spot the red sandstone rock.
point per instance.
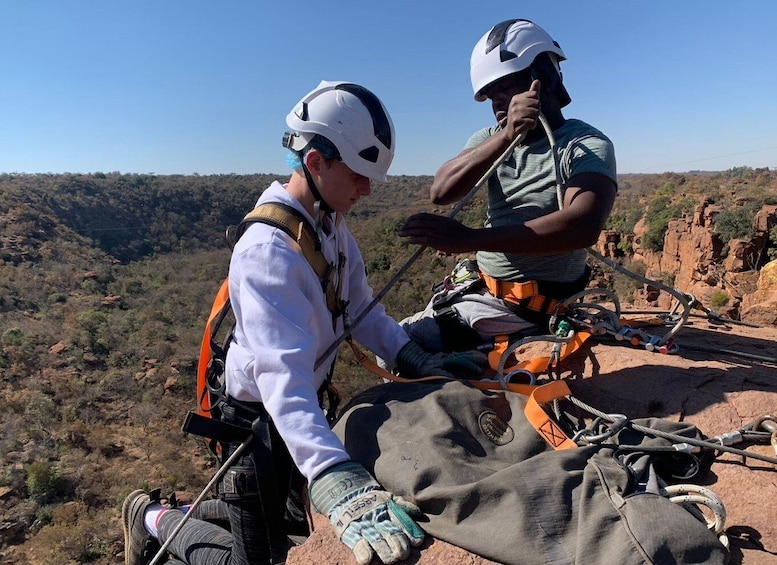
(691, 258)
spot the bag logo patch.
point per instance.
(495, 428)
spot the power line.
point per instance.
(708, 158)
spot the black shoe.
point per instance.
(139, 546)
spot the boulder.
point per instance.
(760, 307)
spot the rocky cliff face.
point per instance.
(732, 278)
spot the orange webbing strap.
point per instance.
(512, 291)
(526, 294)
(536, 395)
(203, 400)
(537, 365)
(375, 369)
(538, 418)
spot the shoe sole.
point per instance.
(128, 511)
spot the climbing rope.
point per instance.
(695, 304)
(682, 443)
(691, 496)
(680, 296)
(403, 269)
(603, 324)
(664, 343)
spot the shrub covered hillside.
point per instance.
(657, 199)
(105, 284)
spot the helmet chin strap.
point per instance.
(316, 194)
(318, 206)
(297, 144)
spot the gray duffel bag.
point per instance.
(486, 481)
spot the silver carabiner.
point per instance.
(617, 423)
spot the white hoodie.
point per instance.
(283, 326)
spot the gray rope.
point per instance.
(403, 269)
(676, 438)
(216, 478)
(681, 297)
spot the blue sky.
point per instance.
(195, 86)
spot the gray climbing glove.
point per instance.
(413, 361)
(366, 518)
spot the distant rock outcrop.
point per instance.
(721, 275)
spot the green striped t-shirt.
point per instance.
(524, 188)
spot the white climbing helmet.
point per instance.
(509, 47)
(353, 119)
